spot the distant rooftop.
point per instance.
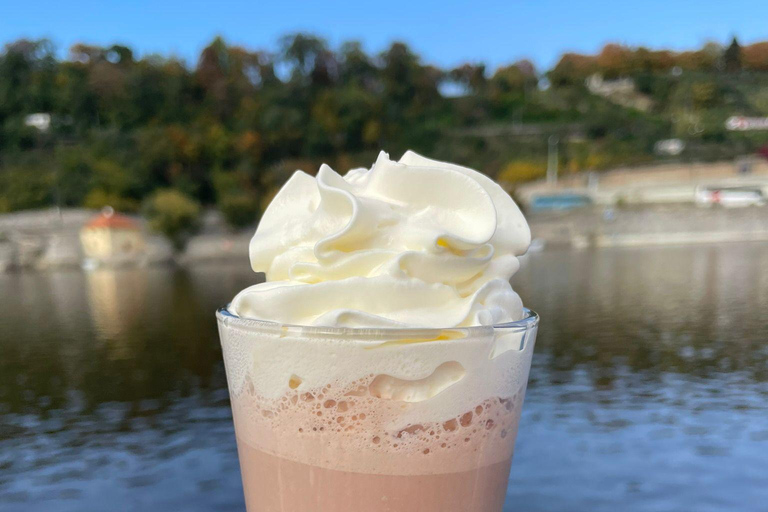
(111, 220)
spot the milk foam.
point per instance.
(411, 243)
(272, 360)
(367, 400)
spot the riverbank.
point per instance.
(667, 184)
(49, 239)
(649, 225)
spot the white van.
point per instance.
(730, 197)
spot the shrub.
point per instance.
(98, 199)
(240, 209)
(23, 187)
(173, 214)
(236, 198)
(522, 170)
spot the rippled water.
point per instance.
(649, 390)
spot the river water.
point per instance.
(648, 392)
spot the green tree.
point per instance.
(173, 214)
(236, 199)
(732, 57)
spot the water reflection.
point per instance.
(116, 300)
(648, 390)
(649, 386)
(690, 310)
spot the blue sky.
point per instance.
(445, 33)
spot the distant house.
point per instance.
(620, 91)
(112, 239)
(41, 121)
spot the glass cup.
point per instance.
(373, 420)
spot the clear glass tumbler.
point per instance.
(374, 420)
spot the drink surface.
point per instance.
(273, 484)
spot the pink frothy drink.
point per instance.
(441, 441)
(383, 364)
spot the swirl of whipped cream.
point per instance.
(416, 243)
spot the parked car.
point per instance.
(730, 197)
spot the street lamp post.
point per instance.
(552, 159)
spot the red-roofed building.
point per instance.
(112, 238)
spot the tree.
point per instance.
(356, 68)
(173, 214)
(99, 198)
(213, 65)
(471, 77)
(24, 187)
(239, 208)
(309, 58)
(755, 57)
(236, 199)
(615, 61)
(572, 69)
(732, 57)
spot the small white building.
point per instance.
(40, 120)
(112, 239)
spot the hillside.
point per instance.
(230, 129)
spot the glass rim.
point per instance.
(529, 321)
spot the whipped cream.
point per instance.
(414, 243)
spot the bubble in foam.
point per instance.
(294, 381)
(358, 391)
(410, 430)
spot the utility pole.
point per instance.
(552, 159)
(517, 120)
